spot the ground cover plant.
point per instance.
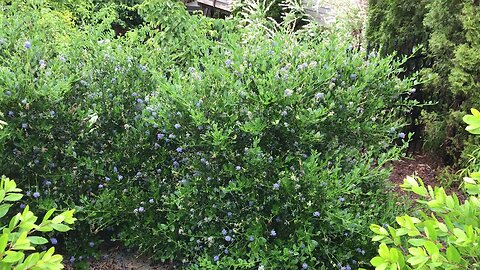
(19, 239)
(210, 143)
(445, 236)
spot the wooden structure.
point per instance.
(321, 14)
(313, 8)
(221, 6)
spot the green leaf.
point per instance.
(48, 214)
(4, 209)
(58, 219)
(60, 227)
(12, 257)
(453, 255)
(13, 197)
(3, 242)
(31, 260)
(37, 240)
(376, 261)
(416, 242)
(417, 260)
(384, 251)
(431, 248)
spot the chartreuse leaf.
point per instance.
(3, 242)
(60, 227)
(453, 255)
(4, 209)
(13, 256)
(48, 214)
(31, 260)
(473, 122)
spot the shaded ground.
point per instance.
(119, 259)
(426, 166)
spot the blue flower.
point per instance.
(141, 209)
(151, 201)
(27, 44)
(115, 169)
(238, 168)
(224, 232)
(228, 63)
(53, 241)
(24, 125)
(42, 63)
(107, 179)
(342, 199)
(160, 136)
(304, 266)
(251, 238)
(100, 186)
(216, 258)
(52, 113)
(72, 259)
(284, 113)
(22, 206)
(273, 233)
(316, 214)
(228, 238)
(36, 194)
(8, 93)
(177, 126)
(353, 76)
(179, 149)
(120, 177)
(10, 114)
(287, 92)
(276, 186)
(91, 244)
(319, 95)
(402, 135)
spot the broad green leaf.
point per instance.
(453, 255)
(13, 197)
(3, 242)
(12, 257)
(431, 248)
(48, 214)
(60, 227)
(37, 240)
(376, 261)
(4, 209)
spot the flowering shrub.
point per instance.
(203, 146)
(17, 239)
(444, 237)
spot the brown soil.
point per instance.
(119, 259)
(425, 166)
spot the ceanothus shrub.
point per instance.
(275, 154)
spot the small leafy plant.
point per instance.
(18, 237)
(446, 236)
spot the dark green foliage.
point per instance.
(396, 26)
(452, 83)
